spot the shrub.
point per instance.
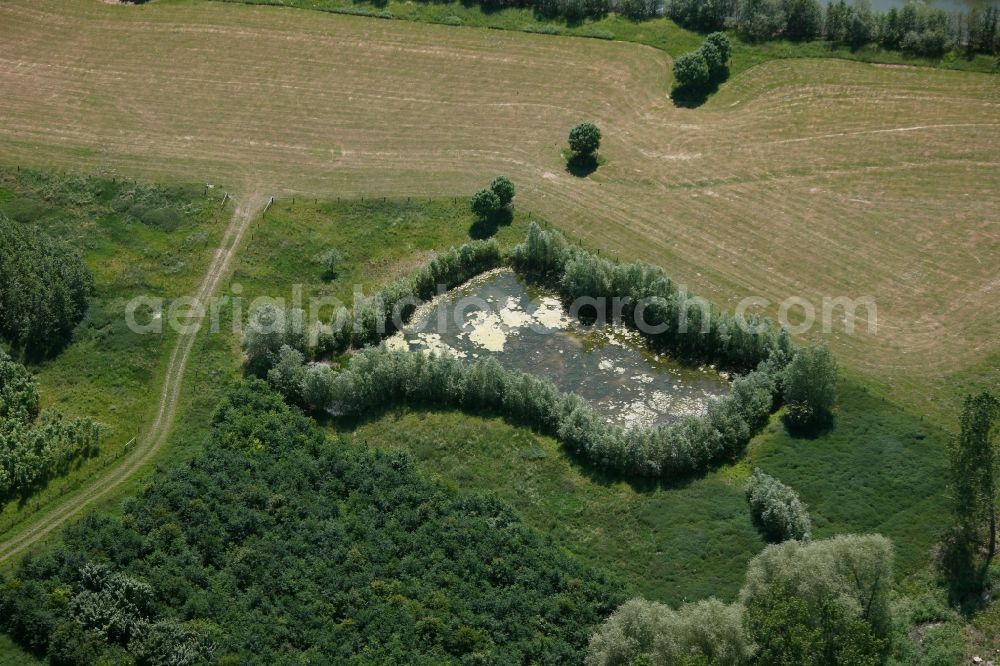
(330, 262)
(287, 374)
(275, 545)
(690, 328)
(776, 509)
(803, 19)
(585, 139)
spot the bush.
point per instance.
(776, 509)
(287, 374)
(585, 139)
(826, 602)
(691, 330)
(394, 304)
(44, 288)
(330, 262)
(637, 9)
(804, 20)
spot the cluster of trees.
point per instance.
(493, 199)
(915, 28)
(825, 602)
(276, 347)
(708, 65)
(776, 509)
(275, 545)
(379, 378)
(44, 288)
(685, 325)
(972, 543)
(34, 446)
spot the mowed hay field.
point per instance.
(804, 178)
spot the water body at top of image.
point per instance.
(526, 328)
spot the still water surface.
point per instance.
(526, 328)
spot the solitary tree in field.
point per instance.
(585, 139)
(811, 387)
(974, 488)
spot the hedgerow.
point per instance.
(378, 378)
(687, 326)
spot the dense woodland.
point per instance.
(44, 287)
(277, 545)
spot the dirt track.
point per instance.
(59, 511)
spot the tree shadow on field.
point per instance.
(486, 227)
(812, 430)
(581, 166)
(691, 97)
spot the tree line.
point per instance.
(824, 602)
(44, 289)
(916, 28)
(773, 370)
(375, 317)
(276, 545)
(378, 378)
(34, 445)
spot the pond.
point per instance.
(527, 328)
